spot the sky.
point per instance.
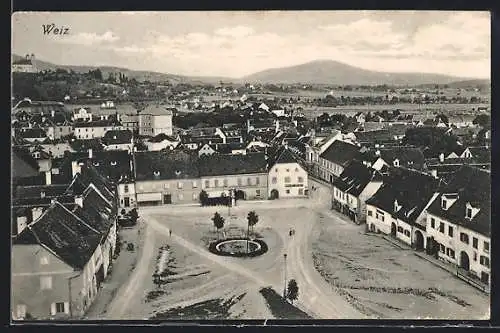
(235, 44)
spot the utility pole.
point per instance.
(284, 288)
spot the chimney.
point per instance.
(90, 153)
(434, 173)
(48, 177)
(79, 200)
(377, 153)
(75, 168)
(27, 57)
(441, 157)
(36, 213)
(52, 113)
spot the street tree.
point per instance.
(252, 218)
(203, 197)
(292, 290)
(218, 221)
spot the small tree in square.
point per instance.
(292, 291)
(218, 221)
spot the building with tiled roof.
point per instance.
(61, 242)
(356, 184)
(335, 158)
(287, 175)
(397, 207)
(166, 177)
(459, 222)
(118, 140)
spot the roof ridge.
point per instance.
(85, 223)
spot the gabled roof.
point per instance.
(65, 234)
(355, 177)
(23, 164)
(112, 165)
(341, 153)
(412, 189)
(96, 211)
(412, 158)
(220, 165)
(116, 137)
(32, 133)
(39, 191)
(473, 186)
(88, 176)
(156, 165)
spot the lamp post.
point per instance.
(284, 288)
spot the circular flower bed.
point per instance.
(237, 247)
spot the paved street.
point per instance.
(327, 287)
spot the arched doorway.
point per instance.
(275, 194)
(239, 195)
(464, 261)
(419, 240)
(393, 229)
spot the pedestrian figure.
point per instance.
(290, 232)
(170, 232)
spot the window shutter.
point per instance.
(53, 309)
(66, 307)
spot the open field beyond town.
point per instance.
(341, 271)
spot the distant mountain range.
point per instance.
(315, 72)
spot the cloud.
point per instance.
(236, 32)
(459, 44)
(88, 39)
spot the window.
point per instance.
(249, 181)
(300, 180)
(166, 185)
(443, 203)
(287, 179)
(44, 260)
(216, 183)
(464, 238)
(257, 180)
(239, 182)
(474, 242)
(486, 247)
(441, 248)
(287, 191)
(21, 311)
(181, 196)
(400, 229)
(60, 308)
(407, 233)
(485, 261)
(46, 282)
(257, 193)
(125, 188)
(276, 170)
(287, 170)
(468, 213)
(207, 183)
(370, 213)
(475, 256)
(301, 191)
(274, 180)
(450, 231)
(441, 227)
(450, 253)
(195, 184)
(433, 223)
(180, 185)
(195, 196)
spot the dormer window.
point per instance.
(396, 162)
(156, 173)
(96, 164)
(113, 163)
(397, 207)
(42, 194)
(470, 211)
(448, 199)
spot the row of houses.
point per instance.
(448, 217)
(63, 242)
(38, 121)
